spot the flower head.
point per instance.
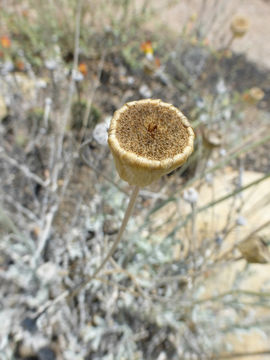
(241, 220)
(83, 68)
(77, 76)
(191, 196)
(149, 138)
(147, 48)
(253, 96)
(5, 42)
(239, 26)
(50, 64)
(255, 250)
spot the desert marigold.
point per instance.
(147, 47)
(5, 42)
(83, 68)
(239, 26)
(149, 138)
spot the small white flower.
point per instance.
(241, 220)
(221, 87)
(51, 64)
(222, 152)
(145, 91)
(203, 118)
(162, 356)
(8, 100)
(208, 252)
(200, 103)
(130, 80)
(77, 76)
(210, 163)
(41, 84)
(149, 56)
(100, 133)
(48, 101)
(209, 178)
(191, 196)
(227, 114)
(47, 272)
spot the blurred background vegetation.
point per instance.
(191, 278)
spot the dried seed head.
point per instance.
(239, 26)
(212, 139)
(149, 138)
(255, 250)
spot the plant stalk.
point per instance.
(128, 213)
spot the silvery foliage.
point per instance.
(143, 310)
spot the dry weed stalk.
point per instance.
(148, 139)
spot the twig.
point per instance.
(90, 101)
(24, 169)
(244, 354)
(45, 234)
(9, 199)
(57, 165)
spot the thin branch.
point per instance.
(22, 209)
(239, 355)
(66, 115)
(42, 242)
(24, 169)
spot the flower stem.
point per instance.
(128, 213)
